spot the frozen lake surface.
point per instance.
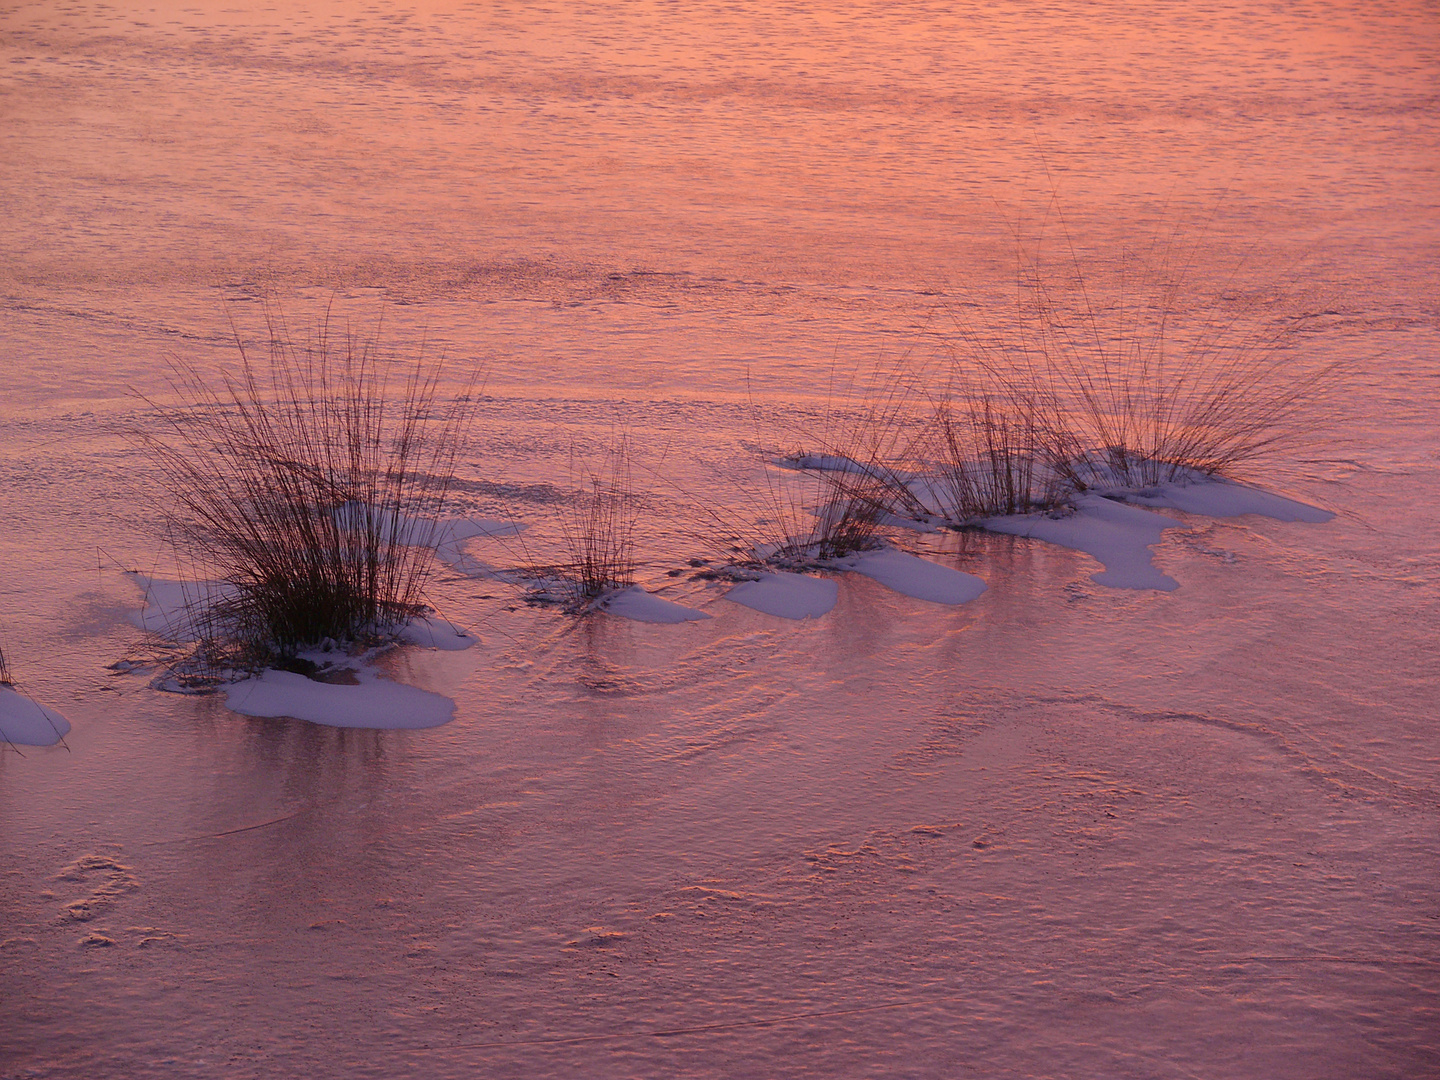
(1048, 828)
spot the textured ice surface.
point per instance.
(1059, 831)
(452, 533)
(28, 723)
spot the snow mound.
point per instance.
(1225, 498)
(372, 702)
(917, 577)
(1120, 536)
(28, 723)
(635, 603)
(789, 596)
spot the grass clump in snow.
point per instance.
(983, 459)
(596, 547)
(305, 490)
(1122, 376)
(837, 494)
(598, 528)
(5, 679)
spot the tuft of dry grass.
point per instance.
(836, 495)
(309, 486)
(5, 679)
(599, 528)
(983, 456)
(1123, 378)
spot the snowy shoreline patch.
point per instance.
(916, 577)
(1120, 535)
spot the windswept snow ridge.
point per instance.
(1225, 498)
(437, 634)
(917, 577)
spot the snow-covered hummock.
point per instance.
(635, 603)
(916, 577)
(789, 596)
(1121, 535)
(372, 702)
(1224, 498)
(25, 722)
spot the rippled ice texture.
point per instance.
(1058, 830)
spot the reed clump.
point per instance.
(304, 491)
(836, 496)
(598, 528)
(5, 679)
(1121, 386)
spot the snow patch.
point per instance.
(28, 723)
(789, 596)
(1225, 498)
(917, 577)
(372, 702)
(1120, 536)
(635, 603)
